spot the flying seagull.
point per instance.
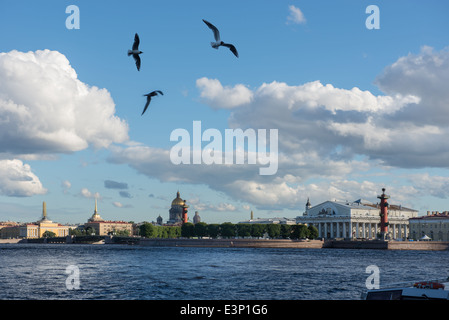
(149, 95)
(135, 51)
(218, 42)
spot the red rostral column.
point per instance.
(184, 213)
(383, 214)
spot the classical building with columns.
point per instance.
(359, 219)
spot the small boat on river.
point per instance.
(421, 290)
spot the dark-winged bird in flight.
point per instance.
(218, 42)
(149, 95)
(135, 51)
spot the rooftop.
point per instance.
(365, 204)
(436, 216)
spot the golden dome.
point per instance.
(178, 201)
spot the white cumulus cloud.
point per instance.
(88, 194)
(17, 179)
(45, 108)
(296, 16)
(226, 97)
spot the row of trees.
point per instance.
(230, 230)
(148, 230)
(91, 231)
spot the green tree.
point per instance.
(201, 229)
(227, 230)
(188, 230)
(123, 233)
(313, 232)
(257, 230)
(213, 230)
(286, 230)
(273, 230)
(90, 231)
(163, 232)
(243, 229)
(299, 231)
(77, 232)
(174, 232)
(147, 230)
(48, 234)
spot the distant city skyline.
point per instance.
(358, 98)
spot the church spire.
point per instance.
(96, 216)
(44, 211)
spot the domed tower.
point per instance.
(196, 218)
(178, 210)
(308, 206)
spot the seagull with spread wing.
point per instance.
(149, 95)
(218, 42)
(135, 52)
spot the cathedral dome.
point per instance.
(178, 201)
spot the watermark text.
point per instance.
(191, 151)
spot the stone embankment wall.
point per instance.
(387, 245)
(232, 243)
(418, 245)
(10, 240)
(253, 243)
(315, 244)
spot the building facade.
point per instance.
(103, 227)
(36, 229)
(434, 225)
(356, 220)
(289, 221)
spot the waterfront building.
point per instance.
(269, 220)
(9, 230)
(357, 219)
(178, 211)
(4, 224)
(289, 221)
(36, 229)
(6, 228)
(103, 227)
(434, 225)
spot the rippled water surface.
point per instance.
(38, 271)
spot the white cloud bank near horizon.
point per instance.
(331, 140)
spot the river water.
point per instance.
(108, 272)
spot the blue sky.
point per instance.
(294, 76)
